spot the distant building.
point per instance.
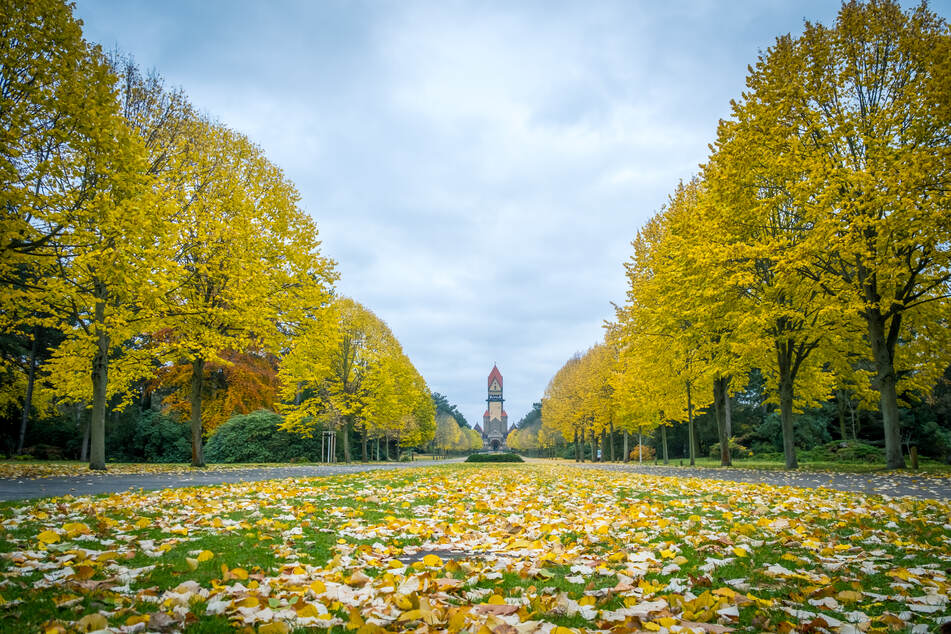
(495, 422)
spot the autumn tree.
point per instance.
(348, 366)
(862, 156)
(245, 254)
(77, 198)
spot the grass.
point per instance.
(925, 466)
(574, 548)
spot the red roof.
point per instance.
(504, 415)
(486, 415)
(495, 374)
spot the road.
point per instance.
(918, 486)
(928, 487)
(94, 483)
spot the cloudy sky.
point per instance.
(477, 169)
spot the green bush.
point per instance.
(494, 457)
(159, 438)
(256, 437)
(736, 450)
(843, 451)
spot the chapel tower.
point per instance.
(495, 422)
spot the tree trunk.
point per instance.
(198, 374)
(728, 413)
(84, 449)
(640, 446)
(786, 415)
(100, 379)
(663, 440)
(840, 407)
(604, 445)
(627, 451)
(28, 401)
(611, 442)
(691, 436)
(577, 447)
(883, 352)
(720, 386)
(346, 441)
(363, 441)
(594, 449)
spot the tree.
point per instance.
(77, 199)
(865, 109)
(448, 433)
(346, 364)
(247, 257)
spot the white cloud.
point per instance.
(477, 169)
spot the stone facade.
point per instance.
(495, 422)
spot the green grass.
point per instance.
(360, 522)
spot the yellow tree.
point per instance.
(660, 322)
(77, 202)
(448, 433)
(349, 365)
(561, 405)
(866, 109)
(246, 259)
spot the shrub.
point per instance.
(844, 451)
(255, 437)
(645, 452)
(159, 438)
(736, 450)
(494, 457)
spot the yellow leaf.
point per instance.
(92, 622)
(667, 554)
(411, 615)
(318, 587)
(496, 600)
(306, 610)
(48, 537)
(247, 602)
(74, 529)
(740, 551)
(143, 522)
(238, 573)
(849, 596)
(276, 627)
(205, 555)
(432, 561)
(192, 563)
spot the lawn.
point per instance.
(926, 466)
(513, 548)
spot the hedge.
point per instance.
(494, 457)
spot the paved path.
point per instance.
(94, 483)
(918, 486)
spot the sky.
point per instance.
(476, 169)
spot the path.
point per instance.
(918, 486)
(94, 483)
(912, 485)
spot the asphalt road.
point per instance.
(95, 483)
(919, 486)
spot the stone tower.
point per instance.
(495, 422)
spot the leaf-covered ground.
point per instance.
(522, 548)
(44, 469)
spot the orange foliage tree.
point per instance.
(240, 383)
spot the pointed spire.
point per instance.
(495, 374)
